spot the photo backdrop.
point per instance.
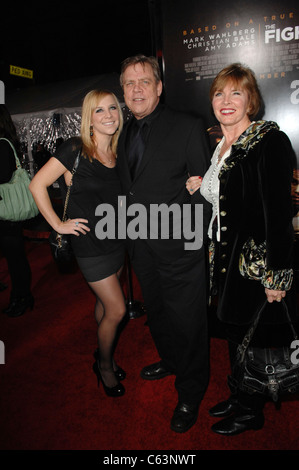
(197, 39)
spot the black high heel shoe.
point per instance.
(116, 391)
(18, 306)
(119, 372)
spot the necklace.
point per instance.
(103, 161)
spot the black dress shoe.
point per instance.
(224, 408)
(184, 417)
(236, 424)
(18, 306)
(154, 372)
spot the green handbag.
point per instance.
(17, 203)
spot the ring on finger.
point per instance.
(76, 223)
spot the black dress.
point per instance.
(99, 254)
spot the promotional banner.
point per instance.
(200, 38)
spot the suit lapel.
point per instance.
(123, 158)
(159, 131)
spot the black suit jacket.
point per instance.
(177, 147)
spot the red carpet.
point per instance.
(49, 398)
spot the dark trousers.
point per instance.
(13, 249)
(174, 294)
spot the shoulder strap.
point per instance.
(18, 164)
(76, 164)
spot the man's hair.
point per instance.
(143, 60)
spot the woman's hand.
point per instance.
(193, 184)
(46, 176)
(274, 295)
(73, 226)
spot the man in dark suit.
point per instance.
(170, 271)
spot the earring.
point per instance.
(91, 131)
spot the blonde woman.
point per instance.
(95, 182)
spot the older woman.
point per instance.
(249, 187)
(95, 182)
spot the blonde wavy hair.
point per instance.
(90, 103)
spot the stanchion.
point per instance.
(135, 309)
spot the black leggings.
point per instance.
(13, 249)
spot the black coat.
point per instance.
(177, 147)
(255, 201)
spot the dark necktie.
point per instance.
(136, 148)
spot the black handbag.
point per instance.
(271, 372)
(60, 244)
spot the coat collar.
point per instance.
(252, 136)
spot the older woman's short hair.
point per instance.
(242, 77)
